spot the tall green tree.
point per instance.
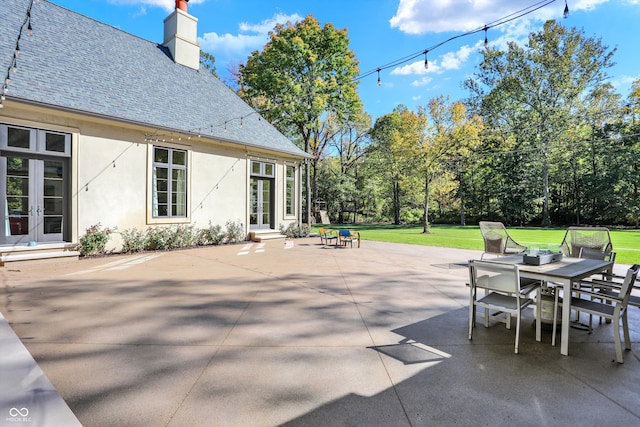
(538, 92)
(450, 133)
(392, 134)
(350, 144)
(305, 72)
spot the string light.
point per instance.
(29, 27)
(501, 21)
(198, 131)
(566, 10)
(13, 65)
(426, 61)
(486, 39)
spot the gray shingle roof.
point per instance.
(74, 62)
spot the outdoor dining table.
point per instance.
(562, 273)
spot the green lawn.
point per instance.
(626, 243)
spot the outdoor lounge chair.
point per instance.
(577, 238)
(347, 236)
(497, 240)
(327, 236)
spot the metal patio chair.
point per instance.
(504, 294)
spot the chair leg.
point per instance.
(539, 315)
(472, 317)
(555, 317)
(625, 329)
(517, 333)
(616, 332)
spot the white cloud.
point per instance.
(249, 38)
(167, 5)
(445, 62)
(416, 98)
(422, 82)
(437, 16)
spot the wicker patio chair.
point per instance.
(576, 238)
(497, 240)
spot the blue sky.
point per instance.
(383, 31)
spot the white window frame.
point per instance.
(293, 181)
(152, 213)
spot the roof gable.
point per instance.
(75, 63)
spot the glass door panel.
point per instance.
(52, 208)
(17, 200)
(266, 203)
(253, 202)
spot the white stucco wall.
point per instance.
(111, 174)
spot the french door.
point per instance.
(261, 203)
(33, 187)
(261, 213)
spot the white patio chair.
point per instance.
(504, 293)
(612, 306)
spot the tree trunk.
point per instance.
(396, 203)
(463, 220)
(425, 218)
(546, 220)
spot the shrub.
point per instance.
(94, 240)
(212, 235)
(133, 240)
(158, 238)
(295, 230)
(412, 216)
(234, 231)
(183, 236)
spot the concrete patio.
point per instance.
(297, 334)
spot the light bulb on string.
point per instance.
(426, 61)
(566, 10)
(7, 80)
(29, 27)
(379, 82)
(486, 39)
(17, 47)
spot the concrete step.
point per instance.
(261, 236)
(47, 252)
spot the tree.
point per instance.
(303, 73)
(538, 92)
(392, 135)
(208, 61)
(350, 144)
(449, 134)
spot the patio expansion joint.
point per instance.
(364, 322)
(208, 364)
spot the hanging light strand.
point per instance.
(13, 65)
(204, 130)
(498, 22)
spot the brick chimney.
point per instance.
(180, 36)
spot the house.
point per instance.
(100, 126)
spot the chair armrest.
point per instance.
(600, 295)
